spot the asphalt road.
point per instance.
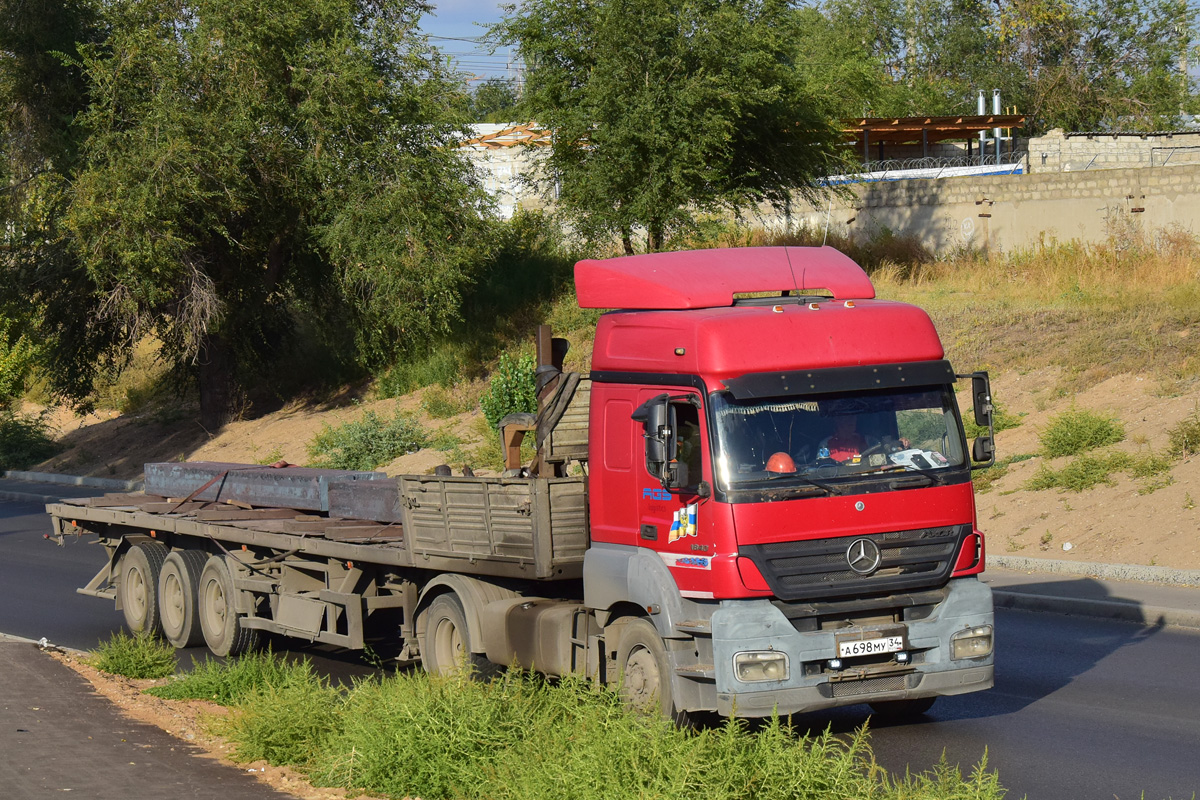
(1082, 708)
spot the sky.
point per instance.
(454, 21)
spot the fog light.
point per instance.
(971, 643)
(902, 658)
(835, 663)
(761, 665)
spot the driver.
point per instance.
(845, 443)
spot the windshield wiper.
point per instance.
(913, 480)
(789, 475)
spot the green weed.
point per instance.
(440, 403)
(229, 682)
(367, 443)
(444, 365)
(134, 656)
(287, 722)
(1185, 436)
(24, 439)
(1002, 420)
(1076, 431)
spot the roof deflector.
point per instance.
(711, 278)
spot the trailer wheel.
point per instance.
(645, 671)
(902, 709)
(446, 647)
(177, 604)
(219, 620)
(139, 571)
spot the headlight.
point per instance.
(760, 665)
(971, 643)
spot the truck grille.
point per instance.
(808, 570)
(888, 683)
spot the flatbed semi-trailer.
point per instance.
(758, 500)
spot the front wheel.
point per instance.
(220, 621)
(646, 671)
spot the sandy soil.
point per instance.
(1121, 523)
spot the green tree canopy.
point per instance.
(248, 161)
(1074, 64)
(662, 108)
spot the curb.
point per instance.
(110, 484)
(1113, 572)
(29, 497)
(1102, 609)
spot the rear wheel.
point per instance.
(139, 572)
(901, 709)
(220, 622)
(177, 604)
(446, 648)
(646, 671)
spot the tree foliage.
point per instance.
(245, 162)
(1074, 64)
(662, 108)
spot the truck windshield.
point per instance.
(816, 440)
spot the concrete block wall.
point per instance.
(1000, 213)
(1061, 152)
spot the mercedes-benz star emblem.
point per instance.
(863, 556)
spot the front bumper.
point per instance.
(758, 625)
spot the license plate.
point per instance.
(870, 647)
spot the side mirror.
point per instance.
(981, 395)
(983, 451)
(675, 475)
(657, 415)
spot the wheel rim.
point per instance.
(447, 646)
(215, 607)
(135, 593)
(172, 602)
(642, 678)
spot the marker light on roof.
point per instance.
(777, 309)
(849, 304)
(814, 306)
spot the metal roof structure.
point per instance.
(925, 130)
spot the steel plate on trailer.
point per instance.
(300, 488)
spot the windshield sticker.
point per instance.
(683, 523)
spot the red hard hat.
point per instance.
(781, 463)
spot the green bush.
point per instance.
(441, 403)
(443, 365)
(1076, 431)
(24, 439)
(512, 389)
(367, 443)
(137, 656)
(287, 722)
(1093, 469)
(1185, 437)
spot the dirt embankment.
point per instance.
(1121, 523)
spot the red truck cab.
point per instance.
(779, 482)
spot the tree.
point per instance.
(250, 160)
(494, 100)
(662, 108)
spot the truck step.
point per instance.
(695, 627)
(699, 672)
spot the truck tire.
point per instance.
(645, 671)
(220, 621)
(177, 584)
(139, 570)
(903, 709)
(446, 645)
